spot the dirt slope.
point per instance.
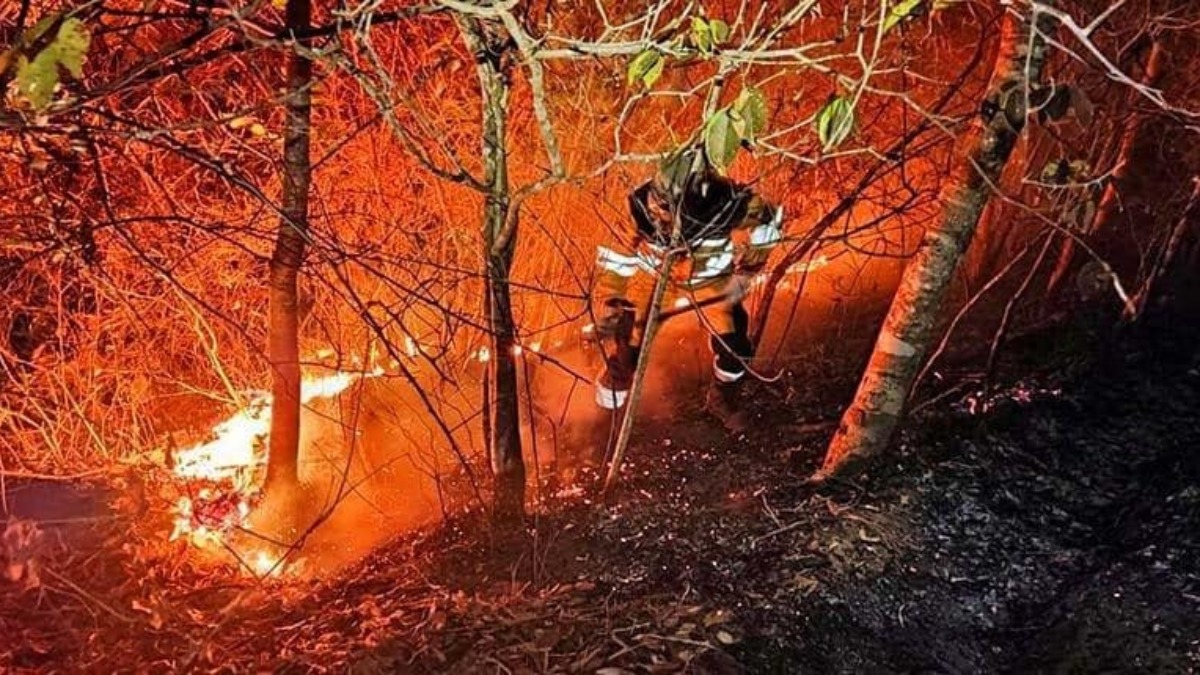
(1059, 531)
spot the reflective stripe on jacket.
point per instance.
(734, 231)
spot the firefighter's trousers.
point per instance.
(727, 324)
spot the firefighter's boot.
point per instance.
(724, 402)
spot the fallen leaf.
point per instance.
(804, 583)
(862, 534)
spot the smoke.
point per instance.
(377, 463)
(373, 464)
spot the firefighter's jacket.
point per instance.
(728, 229)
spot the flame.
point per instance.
(233, 447)
(219, 476)
(264, 564)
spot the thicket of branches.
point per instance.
(143, 199)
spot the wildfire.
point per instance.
(220, 476)
(264, 564)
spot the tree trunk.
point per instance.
(283, 334)
(504, 436)
(907, 331)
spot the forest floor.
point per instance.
(1051, 527)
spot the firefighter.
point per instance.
(729, 232)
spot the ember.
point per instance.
(980, 402)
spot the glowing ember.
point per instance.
(980, 402)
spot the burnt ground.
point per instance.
(1056, 531)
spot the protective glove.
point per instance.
(616, 318)
(736, 289)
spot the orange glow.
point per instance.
(810, 266)
(237, 444)
(264, 564)
(220, 476)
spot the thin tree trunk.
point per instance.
(283, 336)
(867, 425)
(625, 431)
(504, 434)
(1110, 201)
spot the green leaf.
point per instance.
(643, 66)
(899, 13)
(1055, 172)
(71, 46)
(721, 141)
(751, 108)
(39, 28)
(835, 122)
(702, 36)
(654, 73)
(740, 126)
(36, 79)
(719, 31)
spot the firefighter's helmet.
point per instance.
(682, 172)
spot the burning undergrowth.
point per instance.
(218, 484)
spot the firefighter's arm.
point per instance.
(757, 235)
(616, 265)
(617, 262)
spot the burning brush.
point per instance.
(220, 479)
